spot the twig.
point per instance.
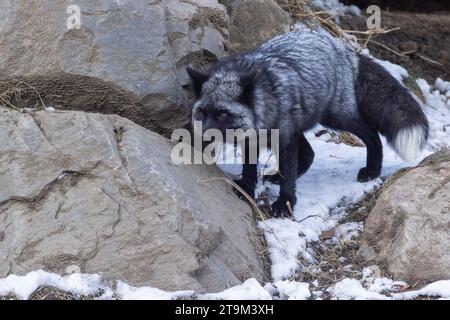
(429, 59)
(5, 97)
(367, 42)
(371, 31)
(389, 49)
(409, 52)
(310, 216)
(245, 194)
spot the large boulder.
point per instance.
(99, 194)
(254, 21)
(127, 57)
(408, 230)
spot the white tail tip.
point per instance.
(409, 142)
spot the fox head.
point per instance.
(223, 99)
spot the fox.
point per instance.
(298, 80)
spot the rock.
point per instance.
(99, 194)
(255, 21)
(408, 230)
(128, 57)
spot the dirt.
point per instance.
(421, 45)
(429, 6)
(423, 41)
(73, 92)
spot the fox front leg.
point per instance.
(248, 181)
(249, 169)
(288, 163)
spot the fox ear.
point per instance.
(197, 80)
(248, 82)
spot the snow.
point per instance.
(443, 87)
(436, 289)
(336, 7)
(323, 193)
(284, 242)
(249, 290)
(349, 289)
(93, 284)
(23, 286)
(292, 290)
(348, 231)
(437, 100)
(126, 292)
(398, 72)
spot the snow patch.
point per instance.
(292, 290)
(351, 289)
(249, 290)
(336, 7)
(436, 289)
(23, 286)
(126, 292)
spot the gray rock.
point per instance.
(127, 58)
(100, 193)
(255, 21)
(408, 230)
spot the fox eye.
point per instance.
(200, 116)
(222, 116)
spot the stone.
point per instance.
(255, 21)
(100, 194)
(408, 229)
(127, 57)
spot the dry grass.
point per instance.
(301, 10)
(8, 297)
(261, 214)
(13, 98)
(333, 263)
(52, 293)
(359, 211)
(342, 137)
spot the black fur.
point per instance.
(385, 104)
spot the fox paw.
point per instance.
(280, 209)
(365, 174)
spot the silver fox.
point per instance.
(300, 79)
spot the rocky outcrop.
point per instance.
(255, 21)
(99, 194)
(124, 57)
(408, 230)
